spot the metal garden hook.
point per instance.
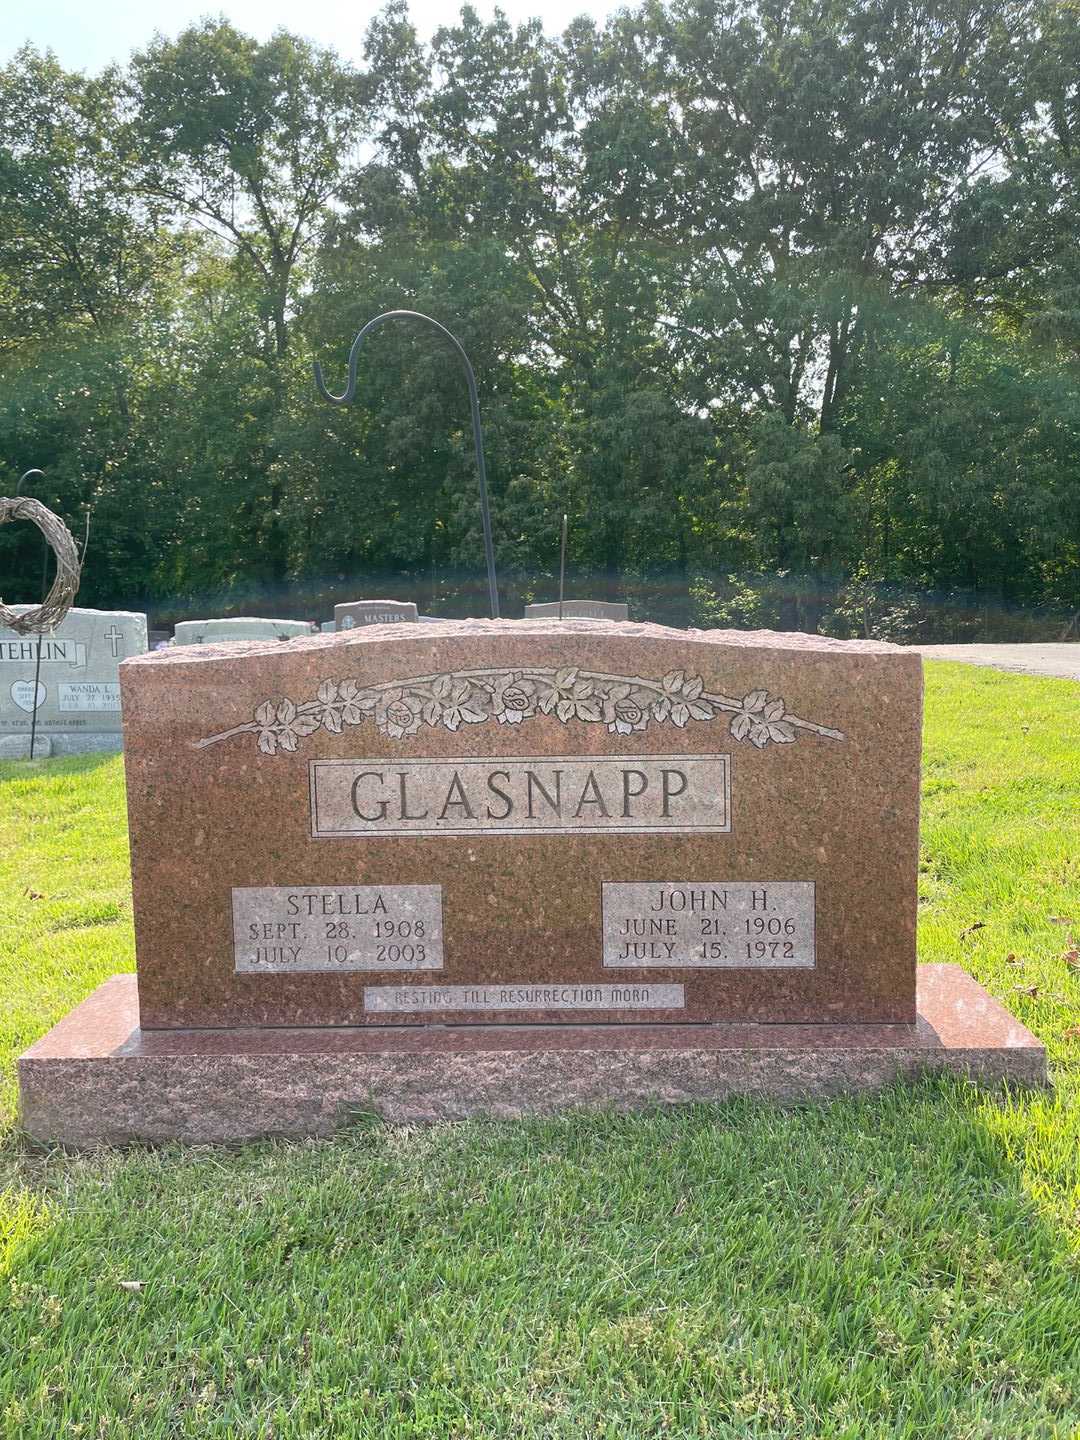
(478, 438)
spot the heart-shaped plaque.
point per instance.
(28, 696)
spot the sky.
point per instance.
(89, 34)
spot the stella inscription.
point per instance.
(734, 924)
(279, 929)
(499, 796)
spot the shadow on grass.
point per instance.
(864, 1268)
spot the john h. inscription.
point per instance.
(278, 929)
(733, 924)
(589, 795)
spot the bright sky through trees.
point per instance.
(87, 36)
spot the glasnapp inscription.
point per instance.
(520, 796)
(734, 924)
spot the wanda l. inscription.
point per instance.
(562, 794)
(279, 929)
(734, 924)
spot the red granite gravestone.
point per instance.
(490, 866)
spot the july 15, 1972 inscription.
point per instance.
(280, 929)
(731, 924)
(563, 794)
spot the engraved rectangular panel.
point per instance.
(734, 924)
(397, 999)
(590, 795)
(278, 929)
(89, 695)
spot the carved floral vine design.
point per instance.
(624, 703)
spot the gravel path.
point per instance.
(1042, 659)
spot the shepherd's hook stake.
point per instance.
(478, 438)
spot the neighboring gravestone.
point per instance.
(327, 627)
(373, 612)
(579, 610)
(78, 686)
(490, 867)
(240, 627)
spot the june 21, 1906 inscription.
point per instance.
(565, 794)
(279, 929)
(732, 923)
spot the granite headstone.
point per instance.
(239, 627)
(357, 613)
(481, 820)
(579, 610)
(77, 693)
(483, 867)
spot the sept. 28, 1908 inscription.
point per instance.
(283, 928)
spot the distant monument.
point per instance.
(239, 627)
(373, 612)
(579, 610)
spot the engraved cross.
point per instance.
(114, 636)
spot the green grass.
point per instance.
(900, 1266)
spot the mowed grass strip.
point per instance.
(906, 1265)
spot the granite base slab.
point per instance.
(97, 1078)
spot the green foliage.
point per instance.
(788, 291)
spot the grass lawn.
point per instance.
(901, 1266)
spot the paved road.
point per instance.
(1044, 659)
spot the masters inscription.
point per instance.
(538, 795)
(734, 923)
(278, 929)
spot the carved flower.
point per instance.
(284, 726)
(570, 698)
(760, 720)
(625, 709)
(265, 715)
(328, 712)
(453, 703)
(512, 699)
(353, 703)
(398, 713)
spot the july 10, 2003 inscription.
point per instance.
(278, 929)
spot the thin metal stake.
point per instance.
(562, 566)
(37, 661)
(474, 405)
